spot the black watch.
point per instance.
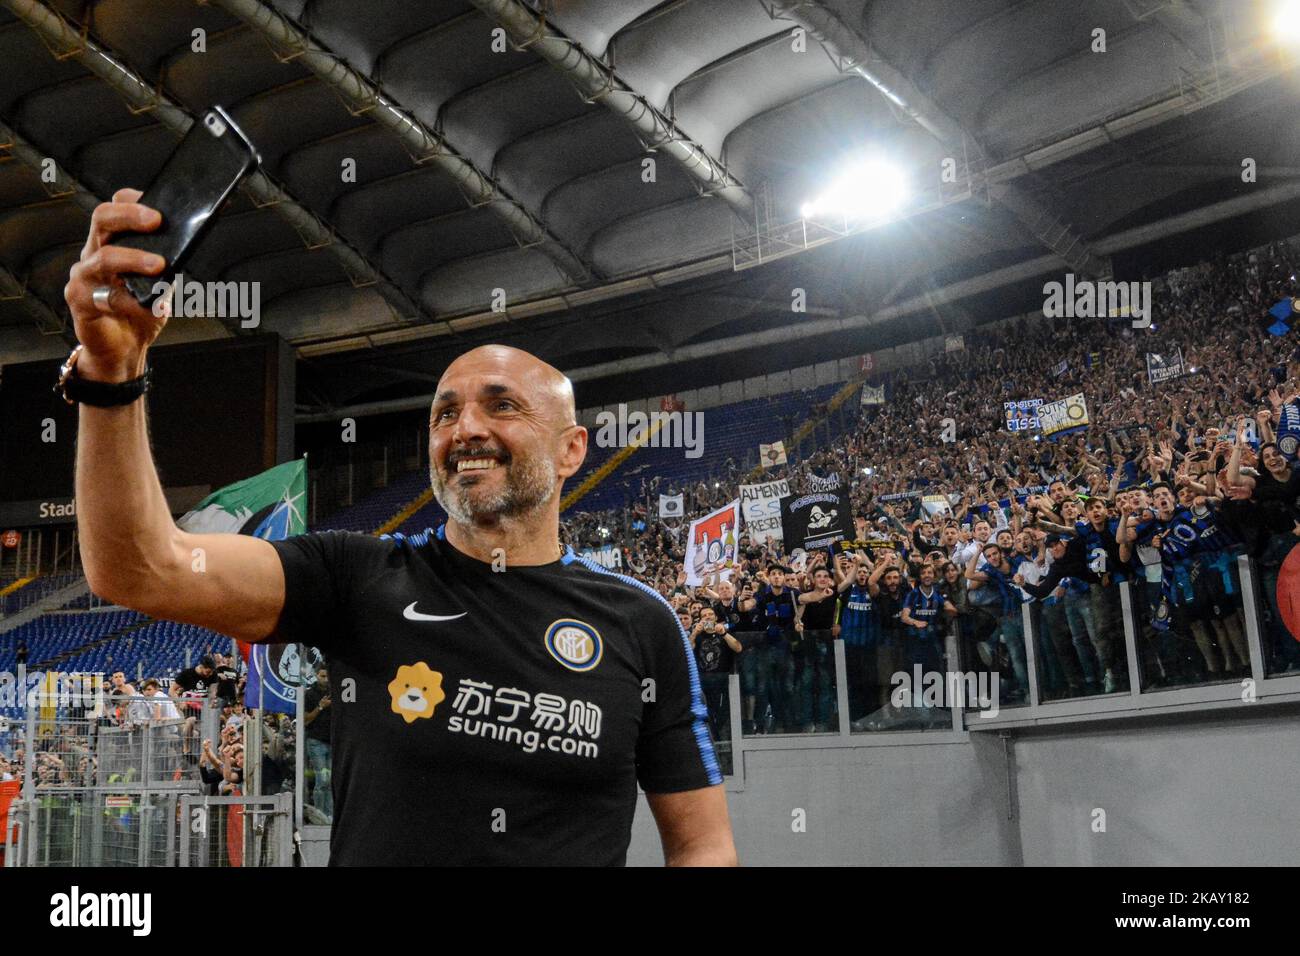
(99, 394)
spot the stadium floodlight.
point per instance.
(1286, 20)
(871, 189)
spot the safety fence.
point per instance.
(1216, 635)
(133, 787)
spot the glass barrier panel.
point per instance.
(317, 733)
(1277, 576)
(1189, 622)
(788, 682)
(991, 652)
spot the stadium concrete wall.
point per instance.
(916, 804)
(1182, 790)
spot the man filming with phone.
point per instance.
(493, 718)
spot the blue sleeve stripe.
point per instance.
(700, 713)
(417, 540)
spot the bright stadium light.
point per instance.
(1286, 20)
(871, 189)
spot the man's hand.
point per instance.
(131, 550)
(116, 334)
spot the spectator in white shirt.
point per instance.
(161, 707)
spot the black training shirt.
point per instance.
(494, 717)
(191, 681)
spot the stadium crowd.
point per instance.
(1168, 484)
(70, 751)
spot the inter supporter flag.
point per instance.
(670, 506)
(1282, 316)
(272, 506)
(772, 455)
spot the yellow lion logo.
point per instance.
(416, 691)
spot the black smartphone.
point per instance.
(194, 183)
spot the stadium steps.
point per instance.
(411, 507)
(15, 585)
(50, 602)
(609, 467)
(91, 645)
(803, 431)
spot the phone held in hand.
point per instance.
(194, 183)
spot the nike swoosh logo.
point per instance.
(411, 614)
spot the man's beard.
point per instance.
(529, 484)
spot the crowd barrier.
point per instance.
(97, 792)
(1108, 648)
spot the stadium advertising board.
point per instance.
(52, 511)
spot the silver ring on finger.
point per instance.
(101, 295)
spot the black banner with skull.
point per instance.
(815, 520)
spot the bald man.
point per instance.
(497, 700)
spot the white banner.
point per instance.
(670, 506)
(760, 505)
(954, 343)
(936, 506)
(711, 546)
(773, 454)
(817, 483)
(609, 557)
(873, 395)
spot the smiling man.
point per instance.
(496, 699)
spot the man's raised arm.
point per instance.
(132, 551)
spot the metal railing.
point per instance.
(1153, 670)
(236, 831)
(121, 786)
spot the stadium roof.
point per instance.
(500, 150)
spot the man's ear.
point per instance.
(573, 452)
